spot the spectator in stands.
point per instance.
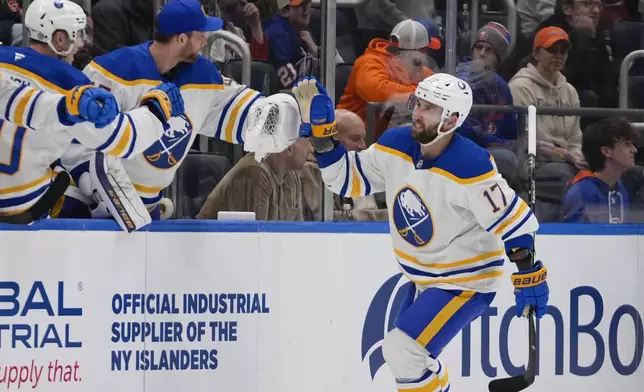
(590, 68)
(615, 11)
(242, 19)
(86, 4)
(211, 7)
(541, 83)
(122, 23)
(291, 48)
(11, 22)
(351, 130)
(531, 13)
(598, 196)
(267, 8)
(389, 68)
(83, 55)
(351, 133)
(271, 189)
(495, 131)
(385, 14)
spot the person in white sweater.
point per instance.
(542, 84)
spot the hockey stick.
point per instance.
(521, 382)
(43, 205)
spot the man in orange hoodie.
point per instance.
(391, 67)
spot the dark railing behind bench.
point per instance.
(374, 108)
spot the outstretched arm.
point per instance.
(349, 174)
(227, 118)
(36, 109)
(125, 134)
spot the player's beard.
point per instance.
(424, 134)
(188, 55)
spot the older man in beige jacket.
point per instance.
(271, 189)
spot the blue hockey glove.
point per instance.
(164, 101)
(316, 109)
(88, 103)
(531, 290)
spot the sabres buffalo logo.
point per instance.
(173, 146)
(412, 218)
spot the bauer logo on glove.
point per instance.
(324, 130)
(530, 280)
(531, 290)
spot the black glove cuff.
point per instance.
(156, 110)
(522, 257)
(323, 145)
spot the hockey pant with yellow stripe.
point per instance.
(425, 324)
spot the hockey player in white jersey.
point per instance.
(454, 221)
(214, 107)
(32, 140)
(47, 110)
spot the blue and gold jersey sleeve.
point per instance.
(228, 111)
(500, 211)
(32, 86)
(28, 107)
(355, 174)
(129, 134)
(350, 173)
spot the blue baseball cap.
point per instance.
(184, 16)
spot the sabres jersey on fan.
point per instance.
(451, 218)
(212, 108)
(34, 138)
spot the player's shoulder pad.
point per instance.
(48, 71)
(128, 65)
(201, 74)
(399, 142)
(465, 162)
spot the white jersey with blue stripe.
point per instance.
(212, 108)
(31, 136)
(451, 218)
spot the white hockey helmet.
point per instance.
(44, 17)
(450, 93)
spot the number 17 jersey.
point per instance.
(451, 218)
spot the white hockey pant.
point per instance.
(412, 366)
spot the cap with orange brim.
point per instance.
(283, 3)
(549, 36)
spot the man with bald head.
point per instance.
(351, 133)
(351, 130)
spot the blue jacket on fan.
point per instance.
(591, 200)
(488, 88)
(284, 47)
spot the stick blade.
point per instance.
(511, 384)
